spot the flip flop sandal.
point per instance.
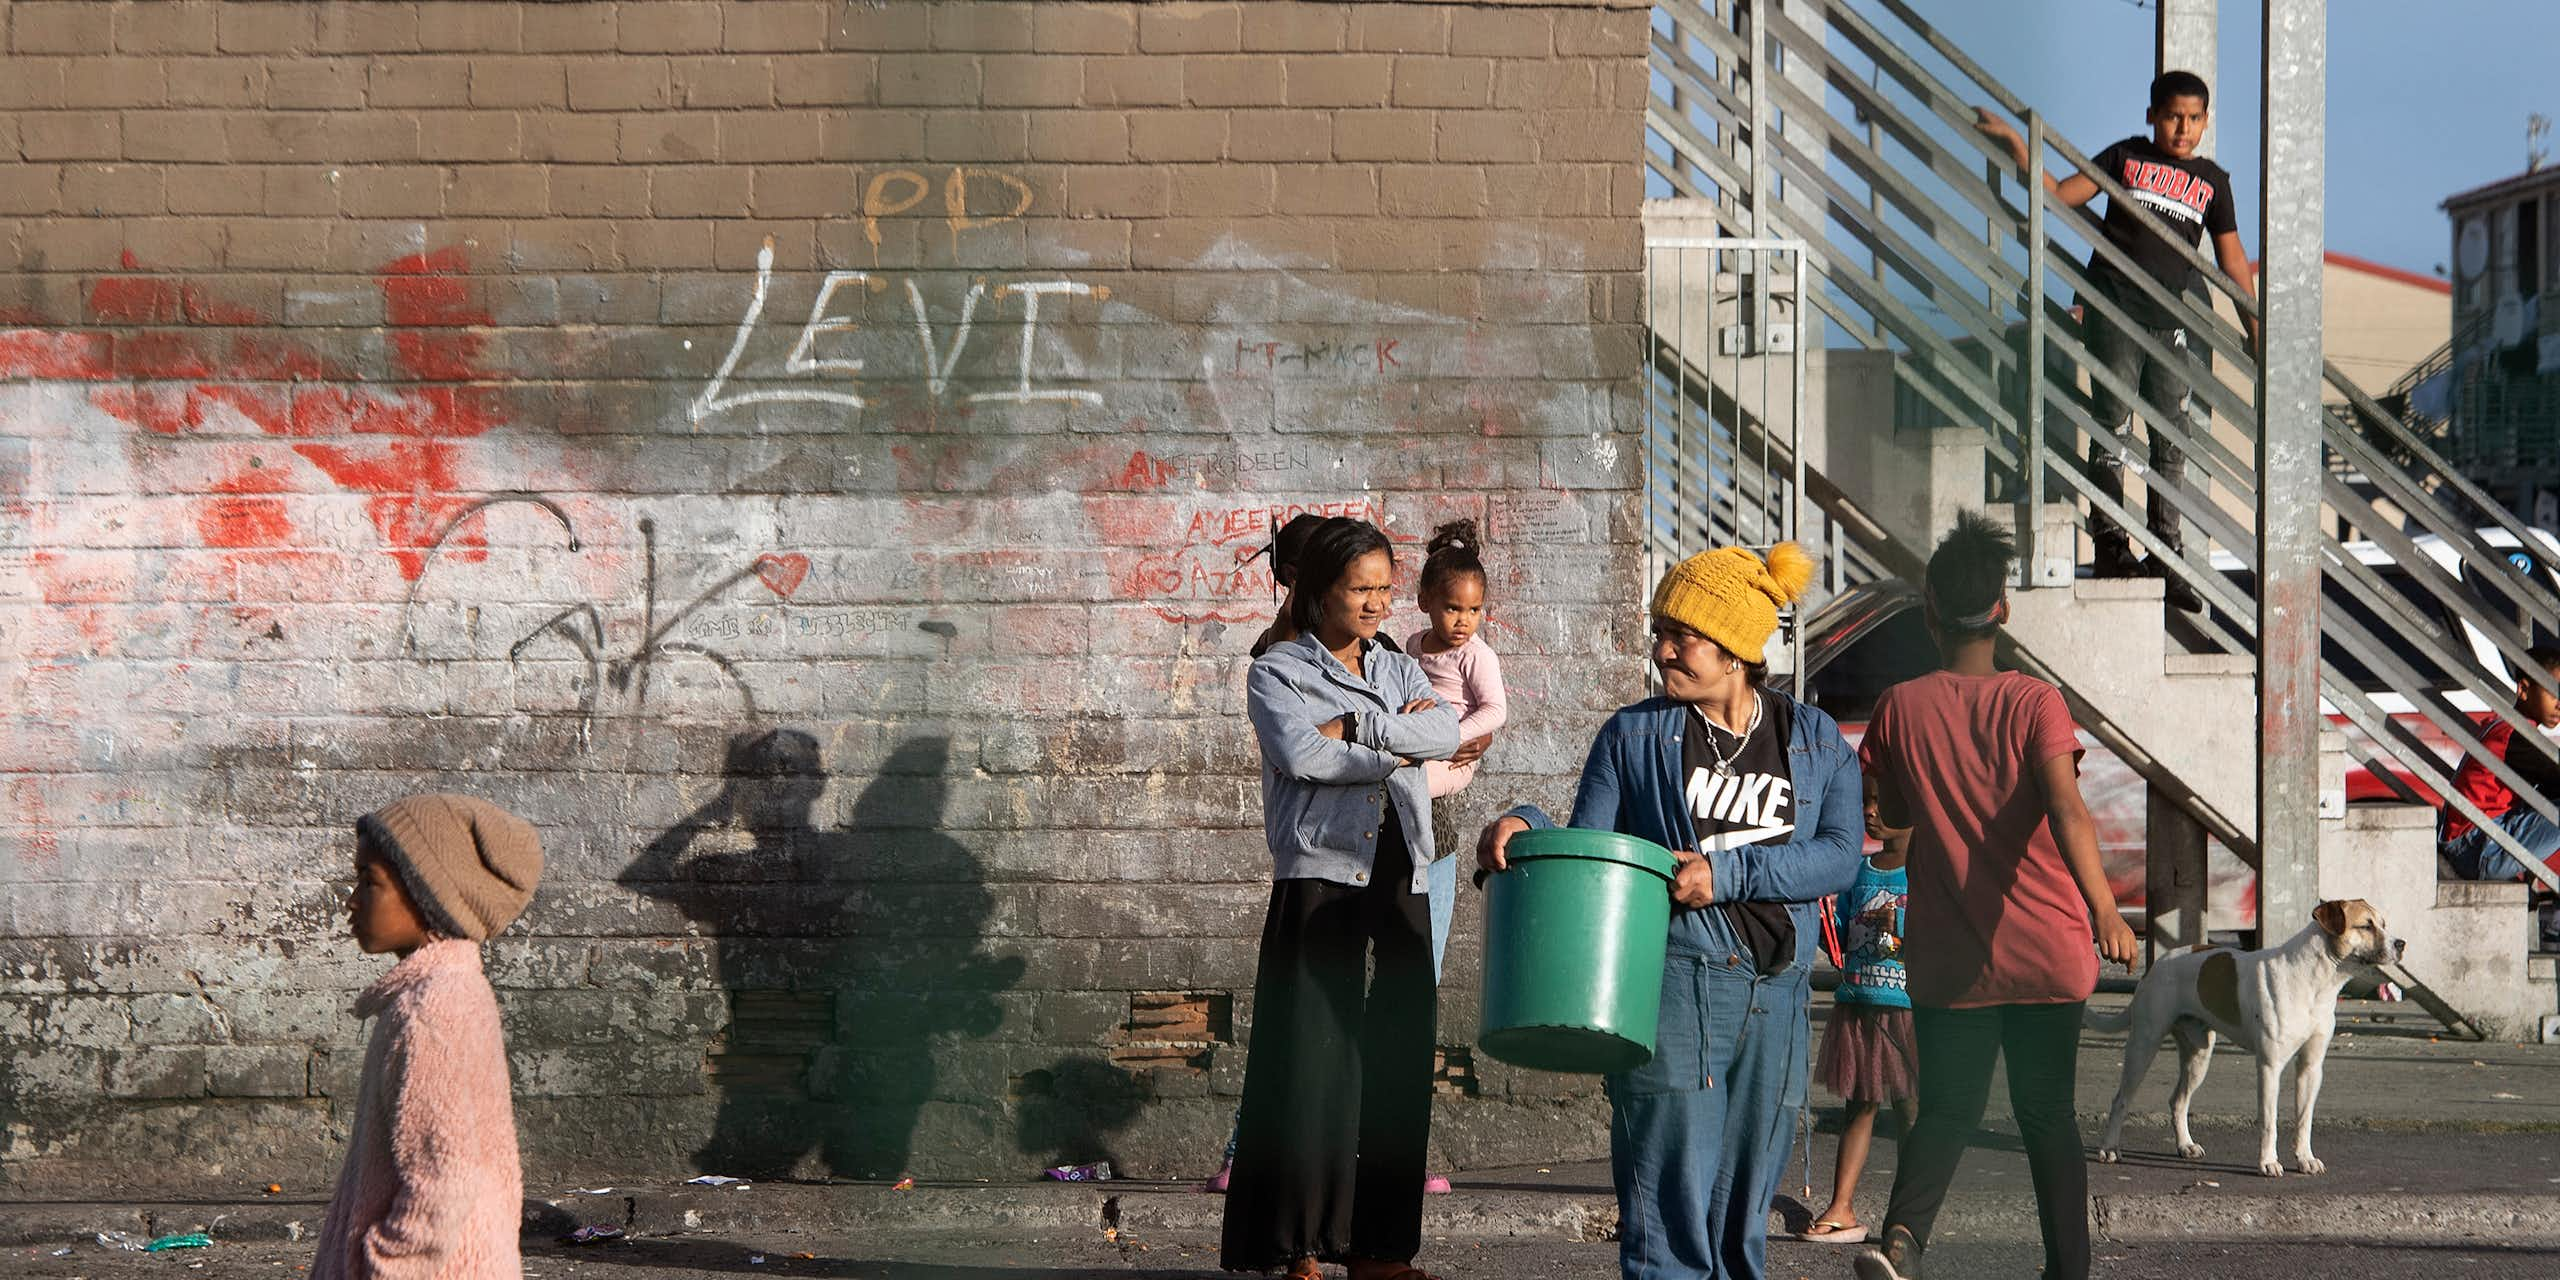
(1306, 1269)
(1838, 1233)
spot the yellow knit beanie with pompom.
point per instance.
(1732, 596)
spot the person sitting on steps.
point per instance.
(2468, 848)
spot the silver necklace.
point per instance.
(1724, 763)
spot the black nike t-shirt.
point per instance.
(1748, 799)
(2192, 196)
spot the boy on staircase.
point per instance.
(2193, 196)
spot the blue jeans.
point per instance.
(2477, 857)
(1699, 1136)
(1443, 884)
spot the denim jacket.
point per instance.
(1631, 784)
(1321, 798)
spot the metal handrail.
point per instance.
(2441, 358)
(1950, 107)
(2526, 593)
(2442, 471)
(2192, 504)
(2016, 106)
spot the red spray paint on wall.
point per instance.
(404, 450)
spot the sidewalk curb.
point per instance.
(1158, 1209)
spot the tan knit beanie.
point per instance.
(471, 865)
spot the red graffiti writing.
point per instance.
(1144, 472)
(1218, 572)
(28, 812)
(400, 439)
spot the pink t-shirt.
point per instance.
(1995, 916)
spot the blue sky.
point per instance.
(2424, 100)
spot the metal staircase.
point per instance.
(1929, 261)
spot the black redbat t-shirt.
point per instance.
(2193, 196)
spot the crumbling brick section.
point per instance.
(809, 458)
(1174, 1031)
(1453, 1071)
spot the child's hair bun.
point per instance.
(1454, 534)
(1452, 550)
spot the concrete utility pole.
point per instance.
(2188, 38)
(2292, 142)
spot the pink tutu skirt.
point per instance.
(1867, 1055)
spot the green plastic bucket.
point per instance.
(1574, 936)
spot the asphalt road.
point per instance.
(948, 1258)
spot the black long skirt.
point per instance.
(1336, 1120)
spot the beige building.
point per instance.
(2379, 322)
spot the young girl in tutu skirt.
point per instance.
(1867, 1056)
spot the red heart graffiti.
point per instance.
(782, 574)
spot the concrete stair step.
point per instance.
(2392, 817)
(2105, 641)
(2149, 589)
(2491, 895)
(2005, 514)
(2211, 664)
(2467, 940)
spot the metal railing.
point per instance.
(1861, 143)
(2401, 396)
(1724, 405)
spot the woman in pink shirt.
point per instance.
(2006, 898)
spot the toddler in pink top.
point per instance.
(1463, 670)
(1464, 675)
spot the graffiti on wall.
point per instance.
(400, 445)
(1376, 357)
(971, 198)
(1216, 569)
(611, 681)
(818, 364)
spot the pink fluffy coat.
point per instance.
(431, 1189)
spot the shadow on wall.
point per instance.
(1068, 1110)
(850, 954)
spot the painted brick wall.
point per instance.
(803, 456)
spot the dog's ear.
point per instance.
(2331, 916)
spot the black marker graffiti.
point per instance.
(582, 624)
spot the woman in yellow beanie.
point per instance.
(1760, 797)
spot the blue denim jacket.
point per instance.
(1631, 784)
(1322, 799)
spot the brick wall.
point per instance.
(801, 455)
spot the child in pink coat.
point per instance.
(431, 1189)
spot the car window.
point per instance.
(1896, 651)
(2496, 602)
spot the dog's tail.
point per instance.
(2096, 1020)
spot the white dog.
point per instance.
(2280, 1004)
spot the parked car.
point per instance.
(2542, 560)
